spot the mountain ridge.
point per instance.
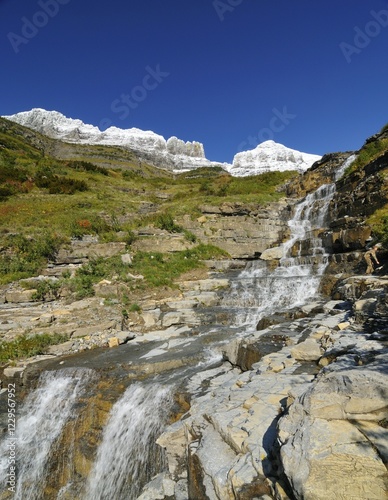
(172, 154)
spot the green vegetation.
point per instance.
(22, 257)
(46, 201)
(379, 223)
(158, 269)
(162, 269)
(26, 346)
(384, 129)
(367, 154)
(166, 222)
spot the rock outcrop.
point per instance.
(307, 419)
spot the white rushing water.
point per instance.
(43, 416)
(258, 292)
(128, 455)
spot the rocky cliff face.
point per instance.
(355, 208)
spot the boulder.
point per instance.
(113, 342)
(19, 297)
(272, 253)
(126, 258)
(309, 350)
(330, 447)
(331, 459)
(13, 371)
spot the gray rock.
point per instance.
(126, 258)
(13, 371)
(309, 350)
(274, 253)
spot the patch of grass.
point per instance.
(158, 269)
(47, 290)
(379, 223)
(367, 154)
(166, 221)
(134, 308)
(162, 269)
(384, 129)
(26, 346)
(23, 257)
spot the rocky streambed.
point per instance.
(308, 420)
(295, 409)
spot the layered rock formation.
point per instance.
(280, 431)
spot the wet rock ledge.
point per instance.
(307, 420)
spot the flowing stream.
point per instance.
(258, 291)
(127, 456)
(43, 416)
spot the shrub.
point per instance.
(86, 166)
(131, 238)
(134, 308)
(189, 236)
(58, 184)
(93, 225)
(47, 290)
(23, 256)
(26, 346)
(367, 154)
(166, 222)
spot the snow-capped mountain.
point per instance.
(172, 154)
(269, 156)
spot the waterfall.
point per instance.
(258, 292)
(128, 456)
(39, 424)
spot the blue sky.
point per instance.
(227, 73)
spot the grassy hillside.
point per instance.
(52, 191)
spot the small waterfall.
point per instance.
(40, 423)
(258, 292)
(128, 456)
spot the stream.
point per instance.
(87, 429)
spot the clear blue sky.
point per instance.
(228, 73)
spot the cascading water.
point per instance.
(40, 423)
(258, 292)
(128, 456)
